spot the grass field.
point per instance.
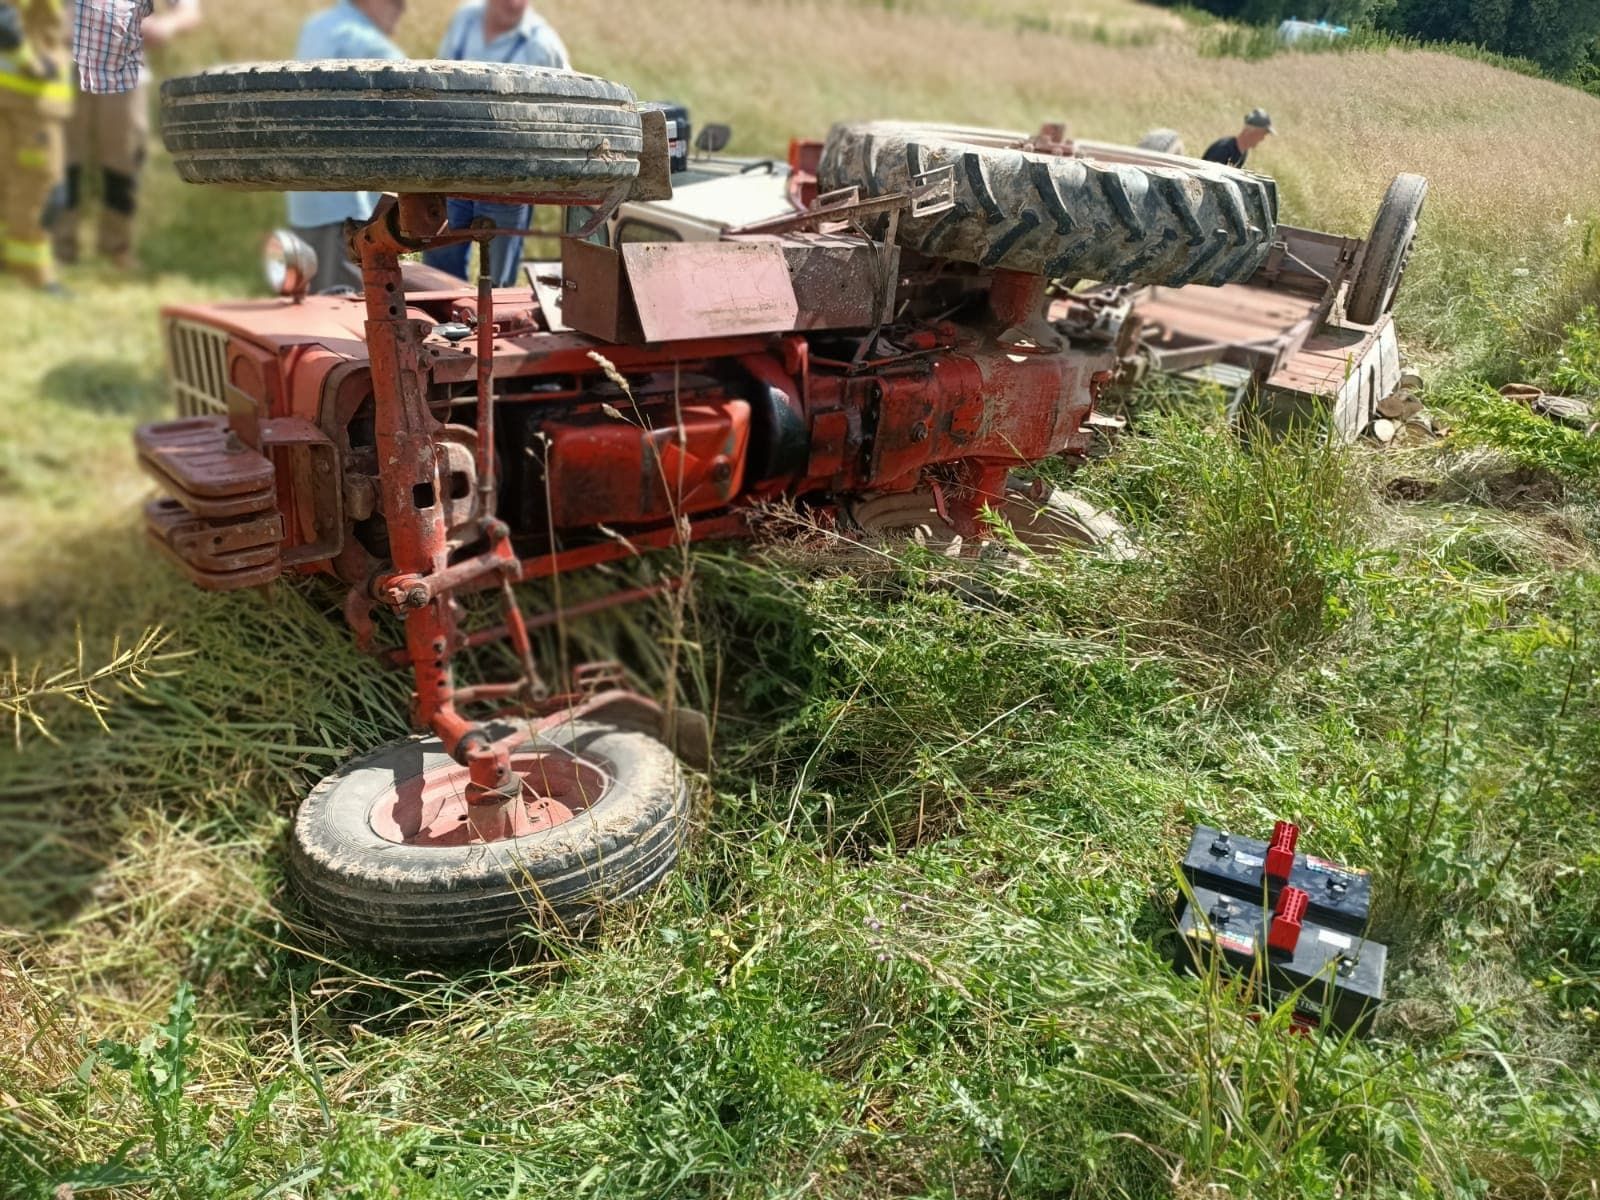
(917, 948)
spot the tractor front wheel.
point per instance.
(387, 854)
(358, 125)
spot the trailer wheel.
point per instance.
(1114, 214)
(382, 853)
(1162, 141)
(353, 125)
(1384, 261)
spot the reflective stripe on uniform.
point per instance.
(32, 158)
(28, 254)
(44, 89)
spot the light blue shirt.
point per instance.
(532, 43)
(343, 31)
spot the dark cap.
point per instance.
(1258, 118)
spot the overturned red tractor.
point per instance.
(424, 440)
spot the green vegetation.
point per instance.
(920, 946)
(1527, 36)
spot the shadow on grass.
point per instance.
(103, 385)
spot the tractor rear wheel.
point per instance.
(1114, 214)
(384, 854)
(358, 125)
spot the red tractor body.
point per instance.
(284, 391)
(425, 439)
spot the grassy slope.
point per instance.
(916, 951)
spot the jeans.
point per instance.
(505, 253)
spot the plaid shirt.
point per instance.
(107, 43)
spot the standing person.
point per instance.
(35, 100)
(1232, 151)
(109, 131)
(350, 29)
(107, 44)
(502, 31)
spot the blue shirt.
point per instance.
(532, 43)
(343, 31)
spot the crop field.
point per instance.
(920, 945)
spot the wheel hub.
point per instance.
(439, 807)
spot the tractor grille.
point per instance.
(197, 365)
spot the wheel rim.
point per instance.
(430, 808)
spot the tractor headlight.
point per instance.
(290, 263)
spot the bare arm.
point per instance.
(180, 18)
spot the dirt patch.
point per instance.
(1522, 489)
(1407, 487)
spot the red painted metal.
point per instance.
(1280, 850)
(432, 808)
(691, 289)
(1284, 933)
(649, 465)
(419, 466)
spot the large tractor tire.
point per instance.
(1383, 262)
(1113, 214)
(381, 852)
(355, 125)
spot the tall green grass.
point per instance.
(919, 945)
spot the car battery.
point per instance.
(1336, 978)
(1338, 897)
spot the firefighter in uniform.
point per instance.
(35, 101)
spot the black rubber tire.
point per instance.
(1383, 262)
(426, 126)
(1121, 216)
(443, 902)
(1163, 141)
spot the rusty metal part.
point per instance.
(668, 454)
(929, 195)
(684, 290)
(654, 181)
(206, 467)
(1019, 303)
(543, 788)
(654, 464)
(485, 427)
(217, 554)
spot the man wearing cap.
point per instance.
(1232, 151)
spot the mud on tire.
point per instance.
(423, 126)
(1121, 217)
(421, 901)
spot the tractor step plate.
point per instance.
(218, 554)
(206, 467)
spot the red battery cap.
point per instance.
(1285, 932)
(1280, 850)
